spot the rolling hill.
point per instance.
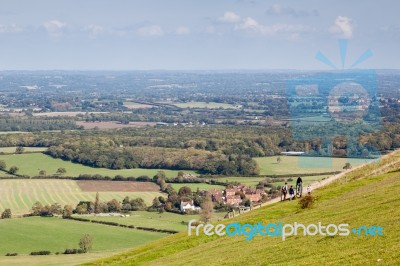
(367, 196)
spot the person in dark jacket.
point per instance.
(291, 192)
(299, 186)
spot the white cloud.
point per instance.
(153, 30)
(278, 10)
(251, 25)
(182, 30)
(54, 27)
(13, 28)
(230, 17)
(343, 26)
(94, 30)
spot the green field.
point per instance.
(166, 220)
(248, 181)
(303, 165)
(306, 180)
(358, 199)
(194, 186)
(253, 181)
(26, 149)
(210, 105)
(31, 164)
(55, 234)
(19, 195)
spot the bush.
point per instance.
(12, 254)
(6, 214)
(42, 252)
(307, 202)
(73, 251)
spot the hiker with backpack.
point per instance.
(284, 191)
(291, 193)
(299, 186)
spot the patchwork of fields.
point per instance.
(20, 195)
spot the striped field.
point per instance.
(20, 195)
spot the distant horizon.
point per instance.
(198, 35)
(197, 70)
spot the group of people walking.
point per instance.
(292, 192)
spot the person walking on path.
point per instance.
(299, 186)
(291, 193)
(284, 191)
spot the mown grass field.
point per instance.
(194, 186)
(248, 181)
(19, 195)
(253, 181)
(157, 220)
(356, 199)
(25, 235)
(31, 164)
(26, 149)
(210, 105)
(304, 165)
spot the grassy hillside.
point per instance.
(303, 165)
(166, 220)
(31, 164)
(19, 195)
(357, 199)
(55, 234)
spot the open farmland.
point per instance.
(134, 105)
(26, 149)
(31, 164)
(304, 165)
(113, 124)
(19, 195)
(67, 114)
(128, 186)
(209, 105)
(55, 234)
(194, 186)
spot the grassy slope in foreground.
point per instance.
(359, 201)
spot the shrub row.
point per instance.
(12, 254)
(42, 252)
(157, 230)
(124, 225)
(73, 251)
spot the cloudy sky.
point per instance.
(195, 34)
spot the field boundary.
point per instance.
(150, 229)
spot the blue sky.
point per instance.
(191, 35)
